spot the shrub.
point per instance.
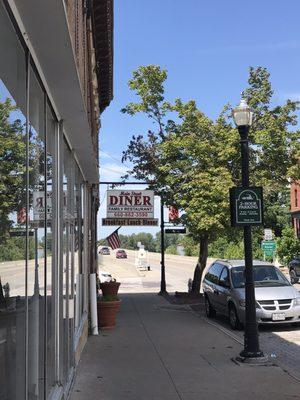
(288, 246)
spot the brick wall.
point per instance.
(295, 207)
(295, 197)
(80, 27)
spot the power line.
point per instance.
(113, 158)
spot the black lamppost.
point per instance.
(163, 289)
(243, 116)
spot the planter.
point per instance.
(110, 288)
(107, 311)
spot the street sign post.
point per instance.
(246, 206)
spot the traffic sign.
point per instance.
(268, 234)
(268, 245)
(175, 230)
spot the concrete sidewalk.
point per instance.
(160, 351)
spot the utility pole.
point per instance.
(162, 249)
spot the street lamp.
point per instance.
(243, 116)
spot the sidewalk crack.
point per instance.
(209, 363)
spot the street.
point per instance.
(281, 342)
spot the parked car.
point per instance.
(277, 301)
(104, 251)
(294, 270)
(104, 277)
(121, 253)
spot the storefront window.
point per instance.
(68, 229)
(42, 287)
(13, 209)
(37, 215)
(78, 249)
(51, 210)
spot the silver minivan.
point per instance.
(277, 301)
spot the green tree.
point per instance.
(193, 161)
(130, 241)
(169, 240)
(288, 246)
(183, 157)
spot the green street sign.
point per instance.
(268, 245)
(246, 205)
(269, 253)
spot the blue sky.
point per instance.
(207, 48)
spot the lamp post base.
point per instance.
(162, 293)
(250, 358)
(254, 358)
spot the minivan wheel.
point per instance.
(293, 277)
(209, 310)
(233, 318)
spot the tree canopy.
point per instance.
(193, 160)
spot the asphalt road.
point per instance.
(281, 342)
(179, 269)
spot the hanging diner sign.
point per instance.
(130, 207)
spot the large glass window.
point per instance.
(41, 232)
(78, 249)
(36, 264)
(51, 277)
(68, 229)
(13, 209)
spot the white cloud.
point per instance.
(112, 171)
(103, 155)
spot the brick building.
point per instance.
(295, 207)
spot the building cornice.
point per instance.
(102, 19)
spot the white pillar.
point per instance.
(93, 304)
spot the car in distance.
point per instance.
(294, 270)
(104, 251)
(104, 277)
(121, 253)
(277, 301)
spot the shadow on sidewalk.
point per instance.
(162, 351)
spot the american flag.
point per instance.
(114, 240)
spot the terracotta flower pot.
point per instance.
(107, 311)
(110, 288)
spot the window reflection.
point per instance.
(49, 244)
(36, 263)
(13, 211)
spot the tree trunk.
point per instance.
(201, 264)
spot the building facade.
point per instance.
(55, 80)
(295, 207)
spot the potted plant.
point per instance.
(110, 288)
(107, 307)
